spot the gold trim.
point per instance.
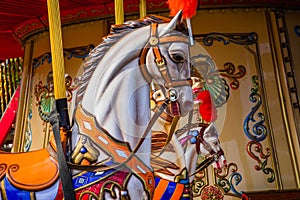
(143, 8)
(3, 192)
(24, 99)
(1, 87)
(56, 49)
(4, 81)
(278, 62)
(119, 12)
(32, 196)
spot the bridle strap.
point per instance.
(160, 61)
(130, 161)
(212, 152)
(103, 166)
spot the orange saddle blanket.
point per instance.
(33, 171)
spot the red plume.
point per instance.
(188, 7)
(207, 108)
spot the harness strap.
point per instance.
(119, 151)
(203, 165)
(161, 64)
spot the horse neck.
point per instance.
(190, 150)
(122, 107)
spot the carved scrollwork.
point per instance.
(228, 178)
(259, 131)
(199, 182)
(77, 52)
(229, 71)
(254, 148)
(45, 94)
(243, 39)
(13, 168)
(3, 168)
(36, 62)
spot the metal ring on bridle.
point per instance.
(173, 94)
(216, 157)
(161, 63)
(153, 41)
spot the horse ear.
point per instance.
(211, 128)
(177, 19)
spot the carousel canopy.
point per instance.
(18, 18)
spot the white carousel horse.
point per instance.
(175, 159)
(111, 117)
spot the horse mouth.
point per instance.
(221, 164)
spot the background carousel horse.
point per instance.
(175, 152)
(111, 116)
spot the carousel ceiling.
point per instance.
(18, 18)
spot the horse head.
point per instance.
(210, 146)
(165, 62)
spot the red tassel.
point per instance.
(188, 7)
(207, 109)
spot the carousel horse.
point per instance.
(111, 132)
(175, 159)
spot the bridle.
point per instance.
(214, 156)
(171, 95)
(170, 85)
(208, 148)
(160, 61)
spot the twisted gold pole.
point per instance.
(143, 8)
(60, 96)
(1, 88)
(4, 79)
(24, 98)
(56, 49)
(119, 12)
(8, 79)
(12, 73)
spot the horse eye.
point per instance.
(177, 57)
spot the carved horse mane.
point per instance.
(116, 33)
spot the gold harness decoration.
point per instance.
(119, 151)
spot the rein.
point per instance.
(214, 156)
(102, 166)
(127, 159)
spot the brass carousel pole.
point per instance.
(119, 12)
(62, 121)
(143, 8)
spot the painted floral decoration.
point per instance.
(211, 193)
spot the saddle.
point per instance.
(33, 171)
